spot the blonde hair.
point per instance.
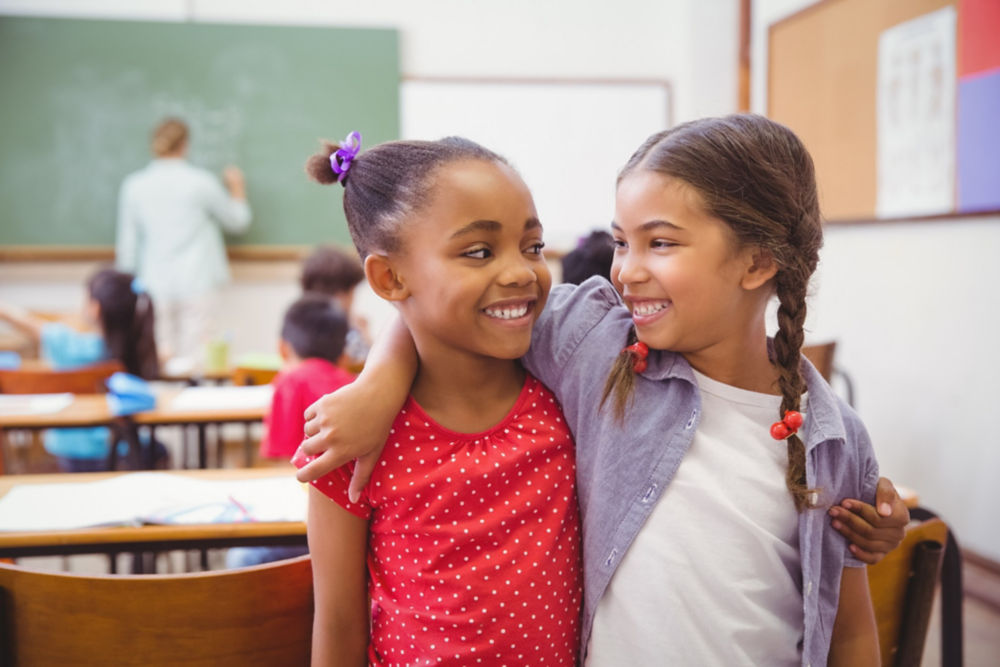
(169, 136)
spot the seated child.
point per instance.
(312, 343)
(591, 257)
(333, 272)
(116, 323)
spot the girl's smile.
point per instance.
(513, 313)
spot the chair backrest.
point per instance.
(83, 380)
(821, 356)
(902, 587)
(250, 616)
(244, 376)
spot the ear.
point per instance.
(384, 279)
(285, 350)
(760, 267)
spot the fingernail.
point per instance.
(885, 509)
(837, 525)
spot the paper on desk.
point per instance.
(33, 404)
(137, 498)
(222, 398)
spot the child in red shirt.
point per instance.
(467, 540)
(312, 343)
(311, 347)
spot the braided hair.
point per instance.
(756, 176)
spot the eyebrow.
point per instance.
(493, 226)
(652, 224)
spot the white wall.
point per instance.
(915, 309)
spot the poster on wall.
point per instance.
(916, 116)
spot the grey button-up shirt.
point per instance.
(623, 467)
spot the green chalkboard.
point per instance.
(80, 98)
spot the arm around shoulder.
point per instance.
(337, 543)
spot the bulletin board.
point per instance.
(567, 138)
(823, 82)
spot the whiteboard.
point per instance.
(567, 139)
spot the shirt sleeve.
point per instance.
(64, 347)
(334, 485)
(868, 470)
(127, 238)
(571, 312)
(232, 214)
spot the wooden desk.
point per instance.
(92, 410)
(114, 539)
(166, 414)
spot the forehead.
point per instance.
(648, 193)
(480, 189)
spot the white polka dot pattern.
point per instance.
(474, 551)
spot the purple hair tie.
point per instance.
(340, 161)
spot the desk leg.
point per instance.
(202, 446)
(247, 445)
(151, 454)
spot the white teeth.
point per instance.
(508, 313)
(648, 308)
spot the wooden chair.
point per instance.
(821, 356)
(250, 616)
(902, 588)
(245, 376)
(88, 379)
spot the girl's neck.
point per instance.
(466, 393)
(741, 362)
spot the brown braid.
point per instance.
(621, 380)
(757, 177)
(787, 351)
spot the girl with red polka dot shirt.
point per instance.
(465, 547)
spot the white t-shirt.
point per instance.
(714, 576)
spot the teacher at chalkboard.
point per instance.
(171, 215)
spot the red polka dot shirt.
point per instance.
(474, 551)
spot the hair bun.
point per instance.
(318, 166)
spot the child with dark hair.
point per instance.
(333, 272)
(592, 257)
(470, 530)
(117, 323)
(311, 347)
(709, 453)
(330, 270)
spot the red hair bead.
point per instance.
(639, 352)
(787, 426)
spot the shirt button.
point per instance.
(809, 588)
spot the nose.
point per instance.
(517, 271)
(627, 267)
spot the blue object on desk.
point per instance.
(128, 394)
(9, 360)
